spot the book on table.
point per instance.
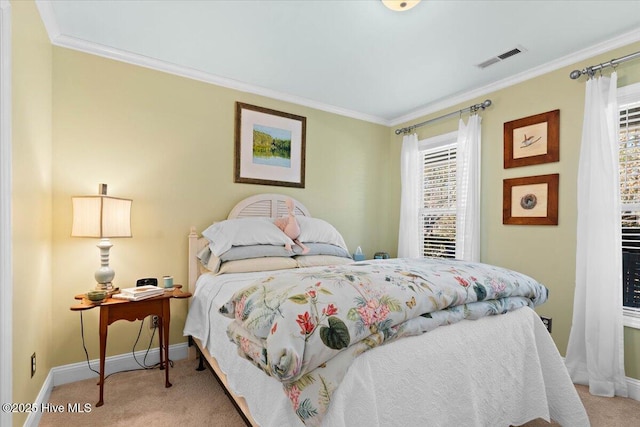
(139, 292)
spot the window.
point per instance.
(629, 105)
(438, 196)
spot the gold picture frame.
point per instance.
(531, 200)
(269, 147)
(532, 140)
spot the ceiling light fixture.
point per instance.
(400, 5)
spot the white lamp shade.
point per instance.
(101, 216)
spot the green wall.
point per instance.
(31, 202)
(167, 142)
(544, 252)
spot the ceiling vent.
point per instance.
(498, 58)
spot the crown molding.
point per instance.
(45, 7)
(46, 12)
(190, 73)
(576, 57)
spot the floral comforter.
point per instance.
(305, 327)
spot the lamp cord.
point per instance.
(84, 345)
(143, 365)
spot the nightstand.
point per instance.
(113, 309)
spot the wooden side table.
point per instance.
(113, 309)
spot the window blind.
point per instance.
(438, 201)
(630, 202)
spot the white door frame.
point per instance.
(6, 275)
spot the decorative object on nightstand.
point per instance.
(96, 297)
(103, 217)
(381, 255)
(358, 255)
(168, 282)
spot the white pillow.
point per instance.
(315, 230)
(257, 264)
(244, 231)
(318, 260)
(209, 261)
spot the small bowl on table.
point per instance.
(96, 297)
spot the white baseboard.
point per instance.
(43, 397)
(80, 371)
(122, 362)
(633, 387)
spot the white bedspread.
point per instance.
(473, 374)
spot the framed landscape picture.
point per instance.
(530, 200)
(532, 140)
(270, 147)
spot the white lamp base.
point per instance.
(105, 274)
(105, 287)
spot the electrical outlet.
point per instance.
(547, 323)
(154, 322)
(33, 364)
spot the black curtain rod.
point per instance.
(472, 108)
(575, 74)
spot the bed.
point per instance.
(496, 370)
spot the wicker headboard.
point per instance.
(261, 205)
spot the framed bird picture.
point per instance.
(532, 140)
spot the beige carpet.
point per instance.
(139, 398)
(195, 399)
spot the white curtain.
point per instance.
(595, 354)
(468, 190)
(408, 240)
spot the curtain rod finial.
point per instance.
(575, 74)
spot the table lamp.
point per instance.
(103, 217)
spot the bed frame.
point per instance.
(260, 205)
